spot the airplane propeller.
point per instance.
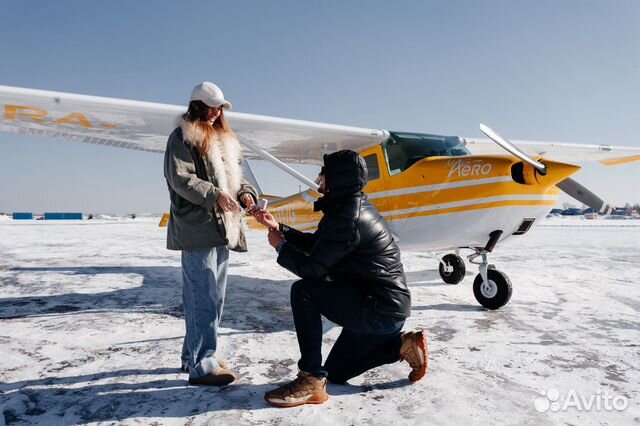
(582, 194)
(512, 149)
(568, 186)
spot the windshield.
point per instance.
(402, 150)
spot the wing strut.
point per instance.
(270, 158)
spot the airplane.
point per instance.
(439, 194)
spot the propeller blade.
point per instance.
(512, 149)
(582, 194)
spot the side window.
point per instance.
(395, 156)
(372, 166)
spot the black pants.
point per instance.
(368, 339)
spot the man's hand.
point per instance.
(275, 238)
(247, 200)
(226, 202)
(264, 217)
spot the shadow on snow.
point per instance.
(252, 306)
(255, 305)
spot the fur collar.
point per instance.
(224, 158)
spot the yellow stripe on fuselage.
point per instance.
(489, 205)
(313, 227)
(459, 194)
(309, 223)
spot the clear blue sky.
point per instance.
(545, 70)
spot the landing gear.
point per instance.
(491, 287)
(452, 269)
(493, 293)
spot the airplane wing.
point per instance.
(560, 151)
(146, 125)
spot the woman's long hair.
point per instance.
(197, 114)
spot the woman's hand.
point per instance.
(226, 202)
(264, 217)
(247, 200)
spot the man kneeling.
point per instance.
(351, 274)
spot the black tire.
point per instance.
(502, 290)
(459, 270)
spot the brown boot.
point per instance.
(305, 389)
(414, 351)
(218, 377)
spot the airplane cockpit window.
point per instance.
(402, 150)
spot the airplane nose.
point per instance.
(555, 172)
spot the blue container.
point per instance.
(63, 216)
(22, 216)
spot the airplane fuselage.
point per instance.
(441, 203)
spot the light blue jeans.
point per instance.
(204, 282)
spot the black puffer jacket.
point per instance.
(353, 244)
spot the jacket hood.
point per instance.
(345, 174)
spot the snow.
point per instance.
(91, 329)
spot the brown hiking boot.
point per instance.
(414, 351)
(305, 389)
(218, 377)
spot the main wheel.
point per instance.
(458, 272)
(496, 293)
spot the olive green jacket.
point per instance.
(196, 221)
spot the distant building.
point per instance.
(22, 216)
(572, 212)
(63, 216)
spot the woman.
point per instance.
(204, 175)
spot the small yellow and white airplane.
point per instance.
(438, 193)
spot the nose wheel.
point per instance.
(492, 288)
(496, 292)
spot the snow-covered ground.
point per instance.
(91, 329)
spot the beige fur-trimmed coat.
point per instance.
(194, 183)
